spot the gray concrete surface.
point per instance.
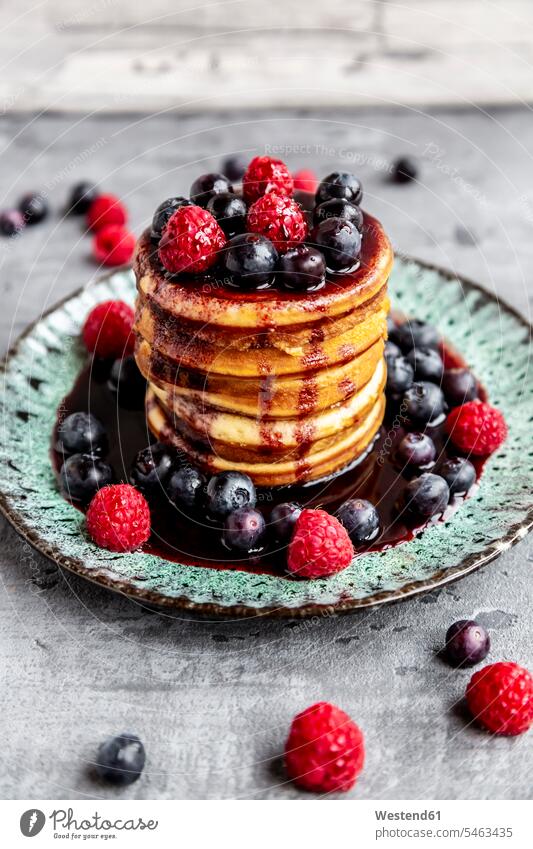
(213, 700)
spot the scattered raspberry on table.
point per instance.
(113, 245)
(106, 210)
(500, 698)
(118, 518)
(325, 749)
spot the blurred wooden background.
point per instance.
(122, 55)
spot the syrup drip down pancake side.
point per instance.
(285, 386)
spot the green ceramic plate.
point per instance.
(494, 340)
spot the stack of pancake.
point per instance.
(285, 387)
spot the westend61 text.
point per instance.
(407, 815)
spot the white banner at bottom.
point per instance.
(335, 823)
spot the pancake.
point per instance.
(351, 445)
(270, 396)
(193, 352)
(285, 386)
(254, 432)
(208, 301)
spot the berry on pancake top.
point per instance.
(264, 175)
(190, 241)
(249, 234)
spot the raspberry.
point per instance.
(118, 518)
(500, 697)
(190, 241)
(113, 245)
(305, 180)
(476, 428)
(107, 331)
(325, 749)
(106, 210)
(265, 175)
(279, 218)
(320, 546)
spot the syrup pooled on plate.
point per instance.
(195, 540)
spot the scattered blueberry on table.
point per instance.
(121, 759)
(404, 170)
(11, 222)
(467, 643)
(81, 197)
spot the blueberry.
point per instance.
(82, 475)
(302, 268)
(426, 496)
(234, 167)
(423, 403)
(81, 197)
(415, 333)
(120, 759)
(338, 208)
(416, 449)
(151, 468)
(282, 521)
(127, 383)
(427, 364)
(404, 170)
(244, 529)
(467, 643)
(459, 386)
(400, 375)
(230, 212)
(204, 187)
(361, 520)
(459, 474)
(186, 487)
(391, 350)
(340, 242)
(163, 213)
(33, 207)
(228, 491)
(81, 433)
(340, 184)
(391, 325)
(250, 259)
(11, 222)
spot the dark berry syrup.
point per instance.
(195, 540)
